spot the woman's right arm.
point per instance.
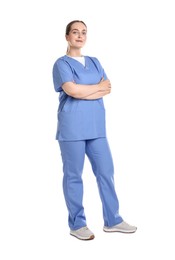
(87, 91)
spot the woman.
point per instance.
(82, 84)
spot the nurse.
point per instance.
(82, 83)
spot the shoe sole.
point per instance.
(82, 238)
(119, 231)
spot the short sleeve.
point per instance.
(99, 67)
(104, 75)
(61, 73)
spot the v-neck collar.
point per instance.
(68, 58)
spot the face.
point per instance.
(77, 35)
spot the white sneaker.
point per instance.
(83, 233)
(123, 227)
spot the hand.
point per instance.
(105, 85)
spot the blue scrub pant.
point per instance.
(73, 156)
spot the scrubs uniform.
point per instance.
(81, 131)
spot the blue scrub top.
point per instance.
(79, 119)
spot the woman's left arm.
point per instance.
(97, 95)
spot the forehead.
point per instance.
(78, 26)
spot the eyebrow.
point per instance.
(78, 30)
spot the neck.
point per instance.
(74, 53)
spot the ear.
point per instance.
(67, 37)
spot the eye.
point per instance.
(75, 32)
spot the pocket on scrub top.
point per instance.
(100, 103)
(70, 105)
(70, 125)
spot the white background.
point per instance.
(134, 41)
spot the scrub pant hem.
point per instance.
(119, 220)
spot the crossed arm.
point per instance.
(87, 91)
